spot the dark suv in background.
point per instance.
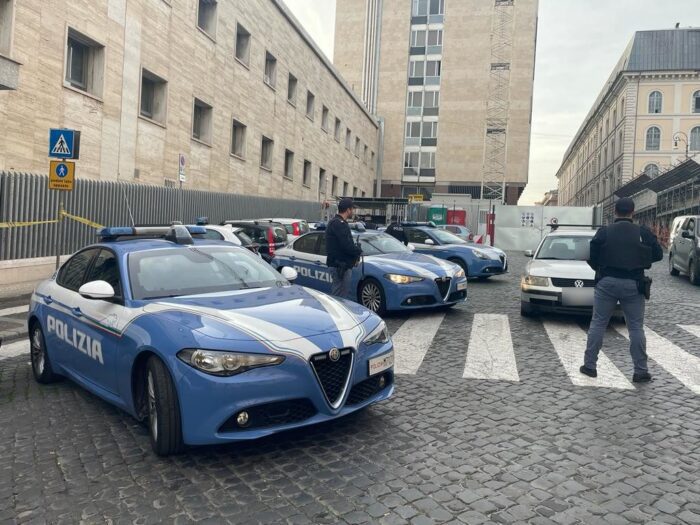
(684, 253)
(268, 235)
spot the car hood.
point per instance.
(268, 314)
(491, 253)
(411, 263)
(561, 269)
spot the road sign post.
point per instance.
(181, 176)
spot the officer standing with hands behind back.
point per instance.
(342, 252)
(619, 255)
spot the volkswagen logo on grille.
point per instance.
(334, 354)
(578, 283)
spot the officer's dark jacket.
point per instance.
(624, 250)
(340, 249)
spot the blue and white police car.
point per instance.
(477, 261)
(203, 340)
(389, 277)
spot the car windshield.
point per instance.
(447, 237)
(245, 240)
(380, 243)
(565, 248)
(192, 270)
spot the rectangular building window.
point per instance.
(310, 105)
(289, 164)
(427, 159)
(345, 189)
(363, 194)
(238, 133)
(6, 22)
(153, 96)
(266, 150)
(432, 68)
(348, 139)
(306, 180)
(292, 90)
(202, 121)
(413, 129)
(416, 68)
(242, 44)
(324, 118)
(429, 7)
(432, 99)
(354, 191)
(337, 130)
(270, 76)
(435, 37)
(415, 99)
(84, 63)
(334, 186)
(206, 16)
(357, 147)
(364, 155)
(420, 7)
(410, 159)
(429, 130)
(371, 161)
(321, 182)
(418, 38)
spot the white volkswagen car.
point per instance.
(558, 278)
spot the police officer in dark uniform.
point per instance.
(619, 255)
(342, 252)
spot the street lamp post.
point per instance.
(681, 136)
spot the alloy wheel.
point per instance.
(37, 352)
(371, 296)
(152, 411)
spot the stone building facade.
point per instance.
(236, 86)
(428, 68)
(644, 120)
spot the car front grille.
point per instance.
(271, 414)
(333, 375)
(363, 390)
(443, 284)
(571, 283)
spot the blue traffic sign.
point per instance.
(61, 142)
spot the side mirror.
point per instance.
(97, 290)
(529, 253)
(410, 246)
(289, 273)
(430, 242)
(686, 234)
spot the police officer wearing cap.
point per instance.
(619, 255)
(342, 252)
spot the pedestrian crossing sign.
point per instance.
(61, 175)
(61, 143)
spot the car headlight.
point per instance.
(397, 278)
(532, 280)
(226, 363)
(459, 274)
(481, 255)
(378, 335)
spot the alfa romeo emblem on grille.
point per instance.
(334, 354)
(578, 283)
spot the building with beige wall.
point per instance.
(237, 86)
(452, 81)
(645, 118)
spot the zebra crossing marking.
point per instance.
(680, 364)
(490, 352)
(691, 328)
(412, 341)
(569, 342)
(14, 310)
(14, 349)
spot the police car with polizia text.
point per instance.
(203, 340)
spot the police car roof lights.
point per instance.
(555, 226)
(429, 224)
(202, 221)
(176, 233)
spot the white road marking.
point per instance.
(680, 364)
(412, 341)
(490, 352)
(692, 328)
(14, 310)
(569, 342)
(8, 350)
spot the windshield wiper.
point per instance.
(551, 259)
(160, 297)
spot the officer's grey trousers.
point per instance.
(608, 292)
(340, 286)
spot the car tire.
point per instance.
(527, 310)
(164, 422)
(41, 364)
(671, 269)
(694, 272)
(371, 296)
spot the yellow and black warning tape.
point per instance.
(82, 220)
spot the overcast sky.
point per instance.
(578, 44)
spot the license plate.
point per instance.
(381, 363)
(461, 286)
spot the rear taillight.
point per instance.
(296, 230)
(271, 242)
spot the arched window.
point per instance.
(653, 142)
(651, 171)
(655, 101)
(695, 139)
(696, 102)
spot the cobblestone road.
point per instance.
(535, 448)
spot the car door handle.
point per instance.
(292, 258)
(48, 299)
(76, 312)
(318, 262)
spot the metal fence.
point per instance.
(26, 197)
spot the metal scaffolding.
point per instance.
(493, 180)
